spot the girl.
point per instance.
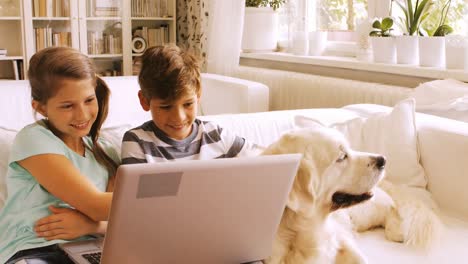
(58, 163)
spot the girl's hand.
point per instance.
(65, 223)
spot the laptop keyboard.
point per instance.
(93, 258)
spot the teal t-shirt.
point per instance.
(27, 200)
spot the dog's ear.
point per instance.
(307, 122)
(301, 196)
(280, 146)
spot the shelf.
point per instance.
(105, 56)
(10, 18)
(51, 18)
(103, 18)
(10, 58)
(354, 64)
(154, 18)
(90, 26)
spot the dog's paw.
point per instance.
(393, 227)
(372, 213)
(350, 257)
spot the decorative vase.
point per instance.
(432, 52)
(260, 32)
(317, 42)
(384, 49)
(456, 52)
(300, 43)
(407, 50)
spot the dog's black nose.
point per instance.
(380, 162)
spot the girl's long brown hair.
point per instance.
(48, 66)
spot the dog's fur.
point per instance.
(331, 176)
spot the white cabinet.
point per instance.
(102, 29)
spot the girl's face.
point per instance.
(73, 110)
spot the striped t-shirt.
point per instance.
(147, 144)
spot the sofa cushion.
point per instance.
(391, 134)
(6, 140)
(451, 248)
(265, 127)
(114, 135)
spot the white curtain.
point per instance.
(226, 20)
(378, 8)
(296, 13)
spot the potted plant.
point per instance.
(260, 31)
(432, 43)
(383, 44)
(414, 15)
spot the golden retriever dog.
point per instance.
(328, 200)
(331, 176)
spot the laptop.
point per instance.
(203, 211)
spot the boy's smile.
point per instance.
(174, 118)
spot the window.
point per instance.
(341, 19)
(339, 14)
(457, 16)
(342, 15)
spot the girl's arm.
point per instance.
(110, 184)
(59, 176)
(66, 223)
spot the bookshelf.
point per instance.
(11, 40)
(102, 29)
(154, 21)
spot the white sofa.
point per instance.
(443, 146)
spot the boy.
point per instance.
(170, 84)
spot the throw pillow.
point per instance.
(446, 98)
(115, 134)
(391, 134)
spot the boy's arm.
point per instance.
(132, 152)
(250, 149)
(238, 146)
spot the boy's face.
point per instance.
(174, 118)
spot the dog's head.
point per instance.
(331, 175)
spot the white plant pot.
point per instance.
(432, 52)
(384, 49)
(300, 44)
(407, 50)
(317, 42)
(456, 52)
(260, 29)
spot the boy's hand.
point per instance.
(65, 223)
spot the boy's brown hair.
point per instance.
(168, 72)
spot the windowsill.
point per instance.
(354, 64)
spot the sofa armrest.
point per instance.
(223, 95)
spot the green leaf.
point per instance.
(443, 30)
(387, 23)
(406, 20)
(377, 24)
(375, 33)
(421, 11)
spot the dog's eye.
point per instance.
(342, 157)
